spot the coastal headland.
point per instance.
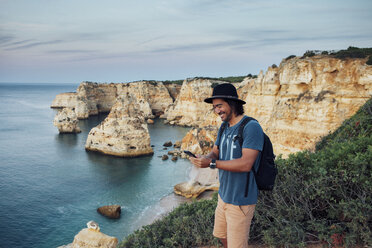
(297, 103)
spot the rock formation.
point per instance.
(93, 98)
(296, 104)
(91, 237)
(174, 89)
(201, 179)
(306, 98)
(123, 133)
(110, 211)
(189, 108)
(155, 94)
(66, 121)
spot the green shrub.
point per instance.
(353, 52)
(189, 225)
(369, 61)
(180, 82)
(290, 57)
(324, 194)
(308, 53)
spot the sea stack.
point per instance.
(123, 133)
(66, 121)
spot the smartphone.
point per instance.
(190, 153)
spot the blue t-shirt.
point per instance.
(233, 184)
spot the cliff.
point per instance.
(93, 98)
(297, 102)
(189, 108)
(155, 94)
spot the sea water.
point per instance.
(50, 187)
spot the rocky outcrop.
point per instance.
(99, 98)
(66, 121)
(93, 98)
(153, 96)
(189, 108)
(110, 211)
(123, 133)
(200, 140)
(65, 100)
(201, 179)
(91, 237)
(174, 89)
(89, 99)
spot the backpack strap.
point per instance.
(241, 139)
(221, 130)
(241, 129)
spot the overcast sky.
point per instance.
(69, 41)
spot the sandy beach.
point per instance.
(166, 205)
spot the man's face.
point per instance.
(223, 109)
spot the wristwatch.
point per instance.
(212, 164)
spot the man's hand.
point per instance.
(200, 161)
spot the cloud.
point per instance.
(5, 39)
(72, 51)
(200, 46)
(34, 44)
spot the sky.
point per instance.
(70, 41)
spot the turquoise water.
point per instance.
(50, 187)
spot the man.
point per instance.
(236, 205)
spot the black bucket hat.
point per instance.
(225, 91)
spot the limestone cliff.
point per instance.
(93, 98)
(89, 99)
(174, 89)
(153, 94)
(189, 108)
(296, 103)
(301, 100)
(99, 98)
(123, 133)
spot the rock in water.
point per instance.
(110, 211)
(168, 144)
(123, 133)
(66, 121)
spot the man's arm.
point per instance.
(242, 164)
(214, 153)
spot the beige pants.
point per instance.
(233, 222)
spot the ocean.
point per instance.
(50, 187)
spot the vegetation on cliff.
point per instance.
(351, 52)
(232, 79)
(323, 196)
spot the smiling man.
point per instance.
(238, 192)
